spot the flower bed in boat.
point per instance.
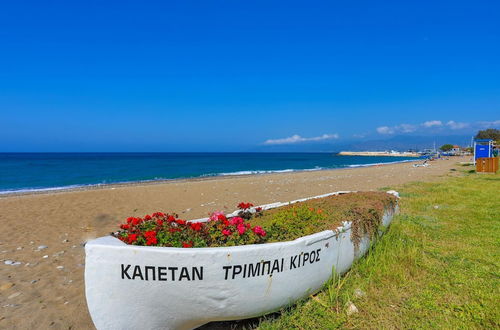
(254, 226)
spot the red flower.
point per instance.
(134, 221)
(165, 225)
(244, 206)
(187, 244)
(236, 221)
(241, 229)
(259, 231)
(151, 237)
(217, 215)
(152, 241)
(196, 226)
(225, 222)
(132, 238)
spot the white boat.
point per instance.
(140, 287)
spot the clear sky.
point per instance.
(233, 75)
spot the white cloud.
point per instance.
(436, 126)
(385, 130)
(406, 128)
(297, 138)
(489, 124)
(454, 125)
(403, 128)
(432, 123)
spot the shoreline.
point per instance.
(98, 186)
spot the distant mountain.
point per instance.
(399, 143)
(405, 142)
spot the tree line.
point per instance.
(490, 133)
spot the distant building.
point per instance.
(456, 150)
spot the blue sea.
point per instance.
(24, 172)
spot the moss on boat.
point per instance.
(363, 209)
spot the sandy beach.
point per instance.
(45, 233)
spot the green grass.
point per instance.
(436, 267)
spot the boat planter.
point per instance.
(141, 287)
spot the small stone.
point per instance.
(358, 293)
(12, 263)
(42, 247)
(60, 267)
(74, 246)
(351, 308)
(11, 305)
(6, 286)
(32, 242)
(34, 281)
(19, 248)
(45, 256)
(14, 295)
(66, 302)
(65, 241)
(436, 207)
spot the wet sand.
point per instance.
(46, 288)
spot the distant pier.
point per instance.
(379, 153)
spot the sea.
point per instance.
(32, 172)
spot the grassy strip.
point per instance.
(437, 266)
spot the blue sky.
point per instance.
(234, 75)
